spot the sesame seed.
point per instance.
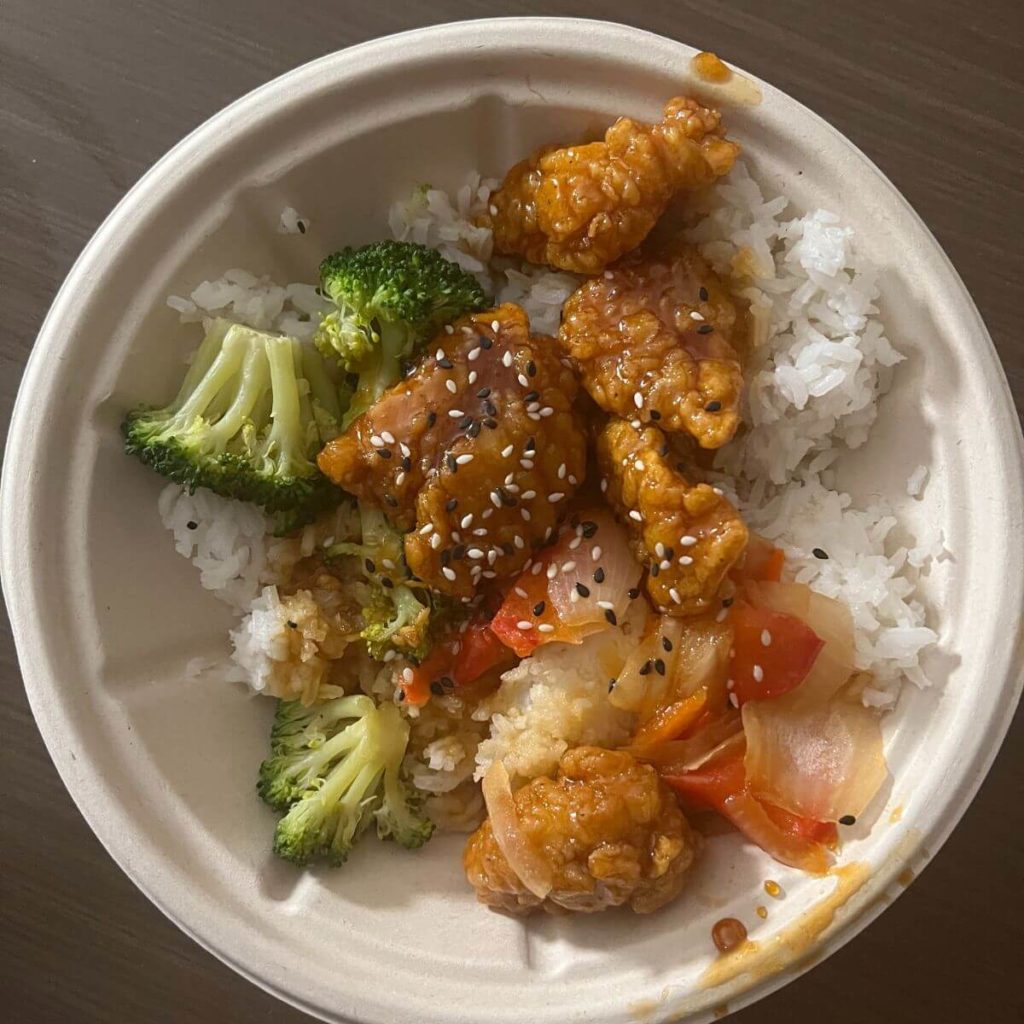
(575, 543)
(718, 491)
(703, 293)
(605, 605)
(519, 592)
(638, 465)
(451, 385)
(493, 210)
(645, 668)
(426, 529)
(465, 422)
(654, 570)
(407, 674)
(456, 414)
(507, 451)
(561, 471)
(545, 627)
(526, 463)
(633, 514)
(766, 638)
(475, 553)
(533, 407)
(604, 486)
(473, 354)
(388, 655)
(506, 359)
(535, 416)
(666, 643)
(531, 368)
(524, 624)
(538, 608)
(536, 570)
(519, 542)
(665, 564)
(713, 406)
(596, 551)
(638, 399)
(485, 342)
(463, 459)
(582, 589)
(473, 377)
(435, 541)
(448, 329)
(694, 315)
(610, 616)
(552, 571)
(531, 396)
(431, 418)
(633, 593)
(495, 326)
(400, 479)
(674, 594)
(635, 424)
(387, 563)
(819, 553)
(688, 541)
(721, 616)
(659, 666)
(734, 700)
(377, 442)
(529, 495)
(705, 329)
(730, 683)
(568, 566)
(449, 574)
(439, 354)
(525, 513)
(446, 364)
(758, 673)
(483, 393)
(547, 411)
(556, 497)
(384, 453)
(492, 556)
(524, 380)
(659, 549)
(599, 575)
(847, 819)
(685, 560)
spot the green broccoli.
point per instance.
(391, 296)
(250, 417)
(334, 767)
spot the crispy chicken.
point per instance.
(582, 207)
(655, 339)
(477, 452)
(609, 831)
(689, 535)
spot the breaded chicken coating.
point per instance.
(477, 452)
(654, 339)
(582, 207)
(689, 535)
(609, 831)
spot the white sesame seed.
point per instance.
(758, 673)
(730, 683)
(451, 385)
(635, 424)
(695, 315)
(523, 624)
(387, 563)
(512, 488)
(674, 594)
(573, 596)
(480, 531)
(545, 627)
(426, 528)
(529, 495)
(473, 354)
(526, 463)
(575, 543)
(388, 655)
(493, 209)
(659, 549)
(400, 478)
(456, 414)
(766, 638)
(604, 486)
(561, 471)
(718, 491)
(495, 499)
(328, 542)
(519, 542)
(495, 325)
(633, 514)
(435, 541)
(404, 449)
(685, 560)
(533, 407)
(449, 574)
(472, 376)
(638, 399)
(474, 553)
(487, 513)
(407, 674)
(466, 521)
(488, 575)
(722, 615)
(519, 592)
(377, 442)
(664, 564)
(734, 700)
(506, 359)
(552, 571)
(492, 556)
(687, 541)
(507, 450)
(448, 329)
(547, 411)
(536, 570)
(595, 552)
(568, 566)
(525, 513)
(509, 478)
(388, 436)
(524, 380)
(456, 537)
(608, 275)
(535, 416)
(439, 354)
(463, 459)
(605, 605)
(556, 497)
(573, 480)
(639, 465)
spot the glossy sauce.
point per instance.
(728, 934)
(773, 889)
(719, 81)
(711, 67)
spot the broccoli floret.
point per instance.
(336, 767)
(250, 417)
(391, 296)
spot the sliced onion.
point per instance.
(531, 869)
(635, 689)
(678, 756)
(821, 760)
(620, 569)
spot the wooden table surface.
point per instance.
(93, 91)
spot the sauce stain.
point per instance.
(728, 934)
(790, 944)
(762, 912)
(722, 83)
(897, 815)
(906, 876)
(773, 889)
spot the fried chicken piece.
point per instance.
(654, 338)
(583, 207)
(690, 535)
(607, 827)
(477, 452)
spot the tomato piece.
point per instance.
(516, 609)
(772, 652)
(763, 563)
(721, 785)
(823, 832)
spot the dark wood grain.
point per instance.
(93, 91)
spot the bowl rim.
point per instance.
(241, 117)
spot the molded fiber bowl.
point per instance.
(106, 614)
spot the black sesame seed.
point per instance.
(705, 329)
(655, 569)
(645, 668)
(304, 318)
(713, 406)
(391, 500)
(666, 643)
(445, 363)
(473, 430)
(538, 608)
(703, 293)
(727, 602)
(507, 549)
(582, 589)
(847, 819)
(453, 466)
(292, 625)
(670, 553)
(446, 556)
(386, 582)
(371, 565)
(655, 415)
(531, 445)
(531, 396)
(611, 684)
(633, 593)
(406, 463)
(490, 408)
(431, 418)
(465, 422)
(192, 524)
(437, 689)
(384, 453)
(819, 553)
(401, 696)
(485, 342)
(484, 393)
(610, 616)
(531, 369)
(663, 450)
(589, 528)
(301, 226)
(659, 666)
(447, 682)
(490, 424)
(459, 553)
(599, 575)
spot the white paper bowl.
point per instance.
(106, 614)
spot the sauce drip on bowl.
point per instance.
(728, 933)
(722, 83)
(711, 67)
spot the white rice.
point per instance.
(821, 363)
